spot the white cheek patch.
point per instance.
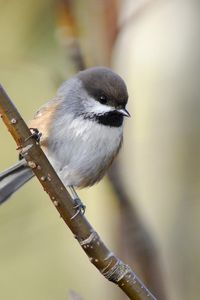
(94, 107)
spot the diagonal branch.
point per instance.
(100, 256)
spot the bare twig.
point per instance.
(69, 32)
(137, 243)
(103, 259)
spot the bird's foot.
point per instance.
(35, 134)
(79, 206)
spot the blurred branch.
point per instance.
(69, 33)
(136, 242)
(99, 255)
(111, 14)
(71, 29)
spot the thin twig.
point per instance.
(136, 243)
(103, 259)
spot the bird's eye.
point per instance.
(103, 99)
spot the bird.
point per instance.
(80, 131)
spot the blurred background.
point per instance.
(148, 209)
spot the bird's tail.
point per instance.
(13, 178)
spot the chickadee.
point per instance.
(82, 131)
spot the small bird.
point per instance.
(81, 132)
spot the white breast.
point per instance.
(81, 149)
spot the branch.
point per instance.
(136, 236)
(100, 256)
(69, 33)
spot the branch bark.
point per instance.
(99, 255)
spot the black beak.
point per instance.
(123, 112)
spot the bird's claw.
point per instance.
(80, 208)
(35, 134)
